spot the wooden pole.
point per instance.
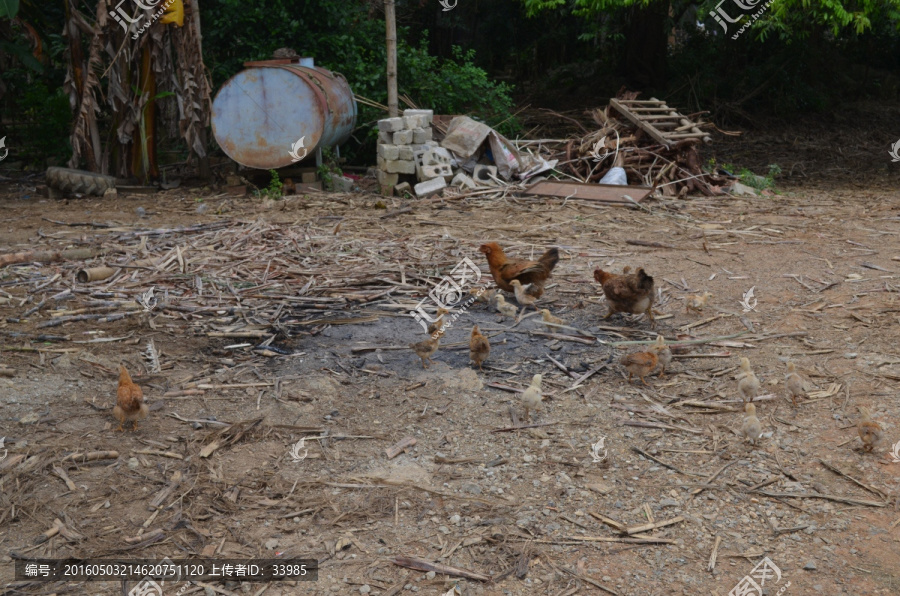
(390, 18)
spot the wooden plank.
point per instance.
(604, 193)
(645, 126)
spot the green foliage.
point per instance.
(9, 8)
(761, 182)
(274, 191)
(329, 168)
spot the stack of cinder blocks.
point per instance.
(399, 139)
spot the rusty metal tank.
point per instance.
(261, 114)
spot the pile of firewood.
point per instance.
(672, 169)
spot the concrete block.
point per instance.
(427, 115)
(463, 181)
(385, 137)
(421, 135)
(405, 152)
(412, 122)
(403, 188)
(430, 187)
(397, 166)
(390, 124)
(381, 162)
(435, 171)
(483, 173)
(341, 184)
(385, 179)
(403, 137)
(436, 157)
(388, 151)
(308, 177)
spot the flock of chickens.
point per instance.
(628, 292)
(625, 293)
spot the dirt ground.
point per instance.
(327, 280)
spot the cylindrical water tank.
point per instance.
(261, 113)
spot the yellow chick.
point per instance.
(479, 347)
(522, 297)
(696, 302)
(425, 349)
(640, 364)
(869, 431)
(751, 428)
(482, 295)
(505, 308)
(548, 318)
(748, 384)
(663, 354)
(532, 396)
(793, 382)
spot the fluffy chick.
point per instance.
(479, 347)
(640, 364)
(751, 428)
(793, 382)
(869, 431)
(532, 396)
(505, 308)
(438, 322)
(663, 354)
(748, 384)
(522, 297)
(130, 404)
(696, 302)
(482, 295)
(548, 318)
(425, 349)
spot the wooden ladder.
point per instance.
(659, 121)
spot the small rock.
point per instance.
(471, 488)
(455, 519)
(209, 592)
(133, 463)
(202, 208)
(141, 212)
(811, 566)
(430, 575)
(365, 589)
(111, 193)
(271, 543)
(29, 418)
(668, 503)
(850, 355)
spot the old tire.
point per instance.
(79, 181)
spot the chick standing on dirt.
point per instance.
(640, 364)
(426, 349)
(870, 432)
(505, 308)
(748, 384)
(532, 396)
(548, 318)
(438, 322)
(752, 428)
(663, 354)
(479, 347)
(696, 302)
(522, 297)
(793, 382)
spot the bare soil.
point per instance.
(519, 504)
